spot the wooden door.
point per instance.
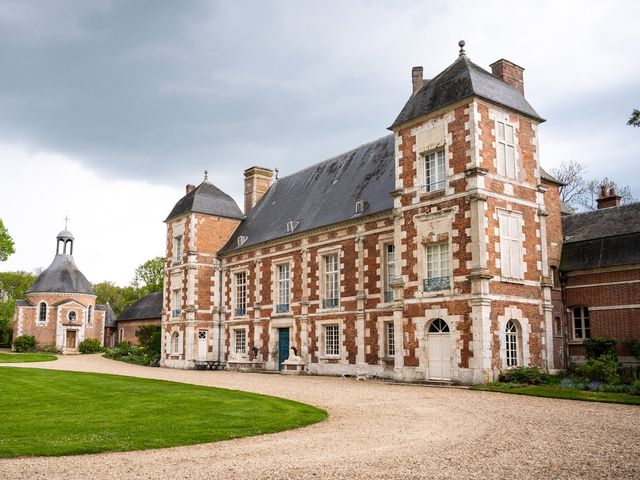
(283, 346)
(71, 339)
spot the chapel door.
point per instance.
(283, 346)
(439, 345)
(71, 339)
(202, 345)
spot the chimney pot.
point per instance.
(603, 191)
(257, 181)
(610, 200)
(509, 73)
(190, 188)
(416, 79)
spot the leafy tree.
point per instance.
(634, 119)
(150, 275)
(587, 201)
(118, 298)
(7, 247)
(13, 286)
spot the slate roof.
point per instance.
(24, 303)
(602, 238)
(548, 177)
(148, 307)
(109, 315)
(460, 80)
(62, 276)
(323, 194)
(209, 199)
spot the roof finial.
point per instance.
(277, 171)
(206, 175)
(66, 221)
(461, 45)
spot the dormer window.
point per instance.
(361, 205)
(242, 239)
(434, 168)
(292, 225)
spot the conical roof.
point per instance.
(62, 276)
(208, 199)
(460, 80)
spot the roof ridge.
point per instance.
(599, 210)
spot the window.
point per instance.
(283, 288)
(240, 341)
(121, 335)
(511, 344)
(557, 323)
(72, 316)
(438, 326)
(390, 340)
(241, 294)
(511, 244)
(242, 239)
(361, 205)
(42, 314)
(175, 342)
(331, 282)
(176, 303)
(437, 277)
(89, 315)
(332, 340)
(434, 171)
(581, 328)
(505, 150)
(292, 225)
(390, 270)
(177, 248)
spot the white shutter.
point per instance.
(180, 343)
(167, 342)
(515, 253)
(505, 250)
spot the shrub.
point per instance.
(145, 336)
(602, 369)
(90, 345)
(634, 388)
(156, 343)
(49, 349)
(24, 343)
(599, 346)
(524, 375)
(634, 346)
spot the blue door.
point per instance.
(283, 346)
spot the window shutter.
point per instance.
(516, 252)
(167, 342)
(505, 250)
(180, 343)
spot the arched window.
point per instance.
(42, 314)
(511, 343)
(438, 326)
(175, 342)
(89, 314)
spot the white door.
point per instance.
(202, 345)
(439, 350)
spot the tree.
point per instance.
(13, 286)
(588, 200)
(118, 298)
(150, 275)
(634, 119)
(7, 247)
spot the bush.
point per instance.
(634, 388)
(524, 375)
(125, 352)
(603, 369)
(90, 345)
(634, 346)
(146, 339)
(49, 349)
(24, 343)
(600, 346)
(156, 343)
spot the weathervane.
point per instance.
(66, 221)
(206, 175)
(277, 171)
(461, 45)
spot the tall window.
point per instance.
(434, 170)
(241, 294)
(175, 342)
(283, 285)
(511, 244)
(241, 341)
(176, 303)
(511, 343)
(177, 247)
(390, 271)
(42, 314)
(581, 327)
(505, 150)
(332, 340)
(437, 277)
(390, 339)
(331, 282)
(89, 315)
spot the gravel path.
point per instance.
(374, 431)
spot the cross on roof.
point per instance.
(66, 221)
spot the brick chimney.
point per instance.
(190, 188)
(610, 200)
(509, 73)
(257, 181)
(416, 79)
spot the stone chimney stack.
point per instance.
(257, 181)
(608, 200)
(190, 188)
(416, 79)
(509, 73)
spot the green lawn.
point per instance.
(553, 391)
(47, 412)
(26, 357)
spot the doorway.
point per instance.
(71, 340)
(283, 346)
(439, 350)
(202, 345)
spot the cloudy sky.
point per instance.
(108, 108)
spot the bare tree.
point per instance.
(588, 200)
(571, 173)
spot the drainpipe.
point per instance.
(220, 309)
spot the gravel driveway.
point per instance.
(374, 430)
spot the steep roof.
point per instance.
(148, 307)
(460, 80)
(62, 276)
(323, 194)
(109, 315)
(209, 199)
(602, 238)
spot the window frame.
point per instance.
(505, 145)
(46, 312)
(283, 288)
(435, 165)
(334, 352)
(176, 302)
(512, 344)
(330, 285)
(442, 281)
(90, 315)
(175, 343)
(242, 333)
(585, 323)
(240, 293)
(178, 248)
(389, 339)
(389, 271)
(510, 244)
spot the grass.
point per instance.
(48, 412)
(554, 391)
(26, 357)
